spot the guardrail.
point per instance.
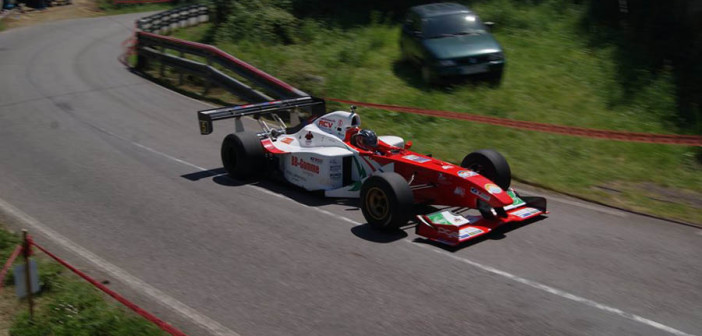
(174, 18)
(173, 52)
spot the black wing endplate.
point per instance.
(207, 117)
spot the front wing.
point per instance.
(450, 228)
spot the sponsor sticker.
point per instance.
(469, 232)
(325, 123)
(466, 173)
(287, 140)
(447, 218)
(316, 159)
(526, 212)
(479, 193)
(493, 189)
(516, 201)
(445, 167)
(416, 158)
(304, 165)
(459, 191)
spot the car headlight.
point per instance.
(496, 56)
(447, 63)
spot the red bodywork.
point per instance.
(434, 181)
(441, 183)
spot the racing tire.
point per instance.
(243, 155)
(386, 201)
(491, 164)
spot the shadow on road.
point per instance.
(276, 184)
(366, 232)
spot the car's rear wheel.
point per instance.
(386, 201)
(491, 164)
(243, 155)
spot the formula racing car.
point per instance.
(330, 152)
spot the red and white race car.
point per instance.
(331, 153)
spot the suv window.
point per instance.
(452, 24)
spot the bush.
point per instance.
(261, 21)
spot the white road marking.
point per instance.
(221, 330)
(149, 149)
(598, 208)
(121, 275)
(557, 292)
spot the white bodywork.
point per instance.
(313, 158)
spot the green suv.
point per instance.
(449, 40)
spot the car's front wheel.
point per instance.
(243, 155)
(386, 201)
(491, 164)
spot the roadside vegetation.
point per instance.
(111, 8)
(66, 305)
(563, 67)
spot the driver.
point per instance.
(366, 139)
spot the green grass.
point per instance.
(67, 305)
(110, 8)
(553, 75)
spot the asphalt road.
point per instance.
(110, 171)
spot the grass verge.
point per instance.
(66, 305)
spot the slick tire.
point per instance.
(491, 164)
(243, 155)
(386, 201)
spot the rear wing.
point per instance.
(206, 117)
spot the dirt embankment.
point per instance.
(24, 16)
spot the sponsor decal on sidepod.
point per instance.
(297, 162)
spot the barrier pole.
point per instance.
(26, 252)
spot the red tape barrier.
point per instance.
(155, 320)
(670, 139)
(8, 264)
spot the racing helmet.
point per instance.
(367, 139)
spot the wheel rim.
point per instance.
(377, 203)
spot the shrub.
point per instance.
(261, 21)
